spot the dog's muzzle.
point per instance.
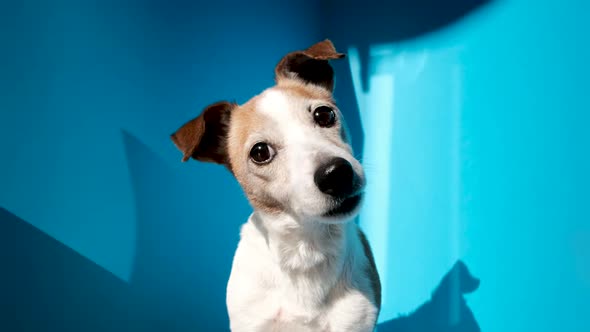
(337, 178)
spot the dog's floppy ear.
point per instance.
(311, 65)
(205, 137)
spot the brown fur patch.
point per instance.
(305, 90)
(266, 203)
(204, 137)
(244, 121)
(310, 65)
(323, 50)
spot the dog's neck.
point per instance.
(313, 255)
(303, 245)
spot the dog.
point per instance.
(302, 263)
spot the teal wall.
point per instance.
(476, 148)
(470, 116)
(75, 74)
(125, 236)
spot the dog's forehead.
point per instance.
(276, 113)
(289, 100)
(278, 104)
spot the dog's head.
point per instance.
(287, 146)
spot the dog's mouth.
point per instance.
(345, 207)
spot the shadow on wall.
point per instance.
(447, 310)
(361, 24)
(46, 286)
(177, 283)
(181, 266)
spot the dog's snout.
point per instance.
(336, 178)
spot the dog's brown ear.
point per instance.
(311, 65)
(205, 137)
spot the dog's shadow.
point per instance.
(446, 311)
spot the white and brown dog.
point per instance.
(301, 263)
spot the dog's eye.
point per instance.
(262, 153)
(324, 116)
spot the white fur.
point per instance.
(297, 270)
(289, 280)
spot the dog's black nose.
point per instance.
(335, 178)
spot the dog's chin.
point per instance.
(345, 210)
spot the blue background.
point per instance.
(470, 116)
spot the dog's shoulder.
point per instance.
(371, 268)
(253, 243)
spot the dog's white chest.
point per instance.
(262, 297)
(270, 305)
(288, 318)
